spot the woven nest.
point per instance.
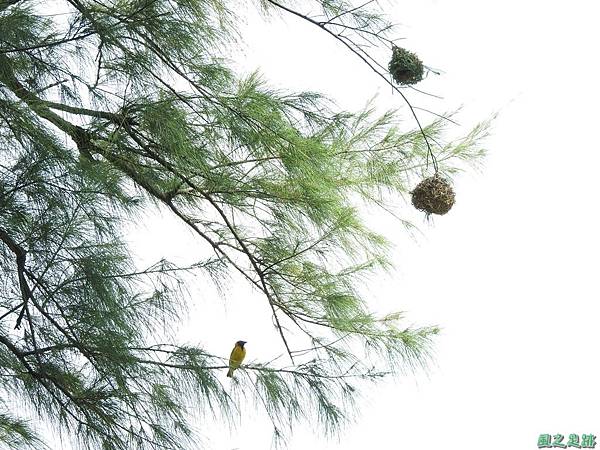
(434, 195)
(405, 67)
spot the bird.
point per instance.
(237, 356)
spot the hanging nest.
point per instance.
(434, 195)
(405, 67)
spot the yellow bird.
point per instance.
(237, 356)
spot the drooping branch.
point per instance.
(83, 139)
(366, 59)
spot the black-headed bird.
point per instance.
(237, 356)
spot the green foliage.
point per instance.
(17, 434)
(112, 109)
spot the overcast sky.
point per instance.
(509, 273)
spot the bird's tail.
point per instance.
(230, 372)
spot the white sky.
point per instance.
(509, 273)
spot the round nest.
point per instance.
(405, 67)
(434, 195)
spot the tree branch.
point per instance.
(21, 256)
(46, 44)
(4, 4)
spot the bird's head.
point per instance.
(240, 343)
